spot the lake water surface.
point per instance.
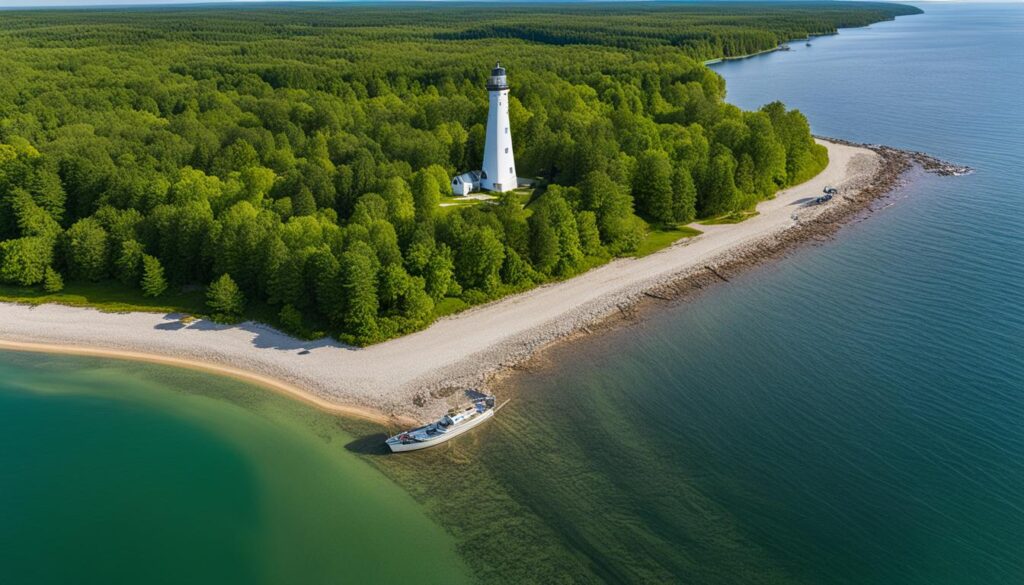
(115, 472)
(851, 414)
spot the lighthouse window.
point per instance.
(506, 129)
(506, 150)
(511, 171)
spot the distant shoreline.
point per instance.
(416, 376)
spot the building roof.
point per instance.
(470, 177)
(497, 81)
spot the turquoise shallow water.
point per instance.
(113, 472)
(851, 414)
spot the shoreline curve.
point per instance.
(275, 385)
(411, 378)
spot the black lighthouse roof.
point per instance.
(497, 80)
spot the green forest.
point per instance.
(288, 163)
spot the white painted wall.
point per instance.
(462, 185)
(499, 162)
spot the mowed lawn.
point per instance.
(659, 239)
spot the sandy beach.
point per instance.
(411, 377)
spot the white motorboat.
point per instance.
(451, 425)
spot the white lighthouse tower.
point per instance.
(499, 172)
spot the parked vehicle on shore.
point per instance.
(827, 194)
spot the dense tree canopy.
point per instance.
(295, 157)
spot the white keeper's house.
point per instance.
(499, 172)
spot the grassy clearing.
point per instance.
(524, 195)
(450, 306)
(450, 201)
(659, 239)
(734, 217)
(112, 297)
(109, 296)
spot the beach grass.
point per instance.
(734, 217)
(659, 239)
(108, 296)
(111, 297)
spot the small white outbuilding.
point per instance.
(466, 183)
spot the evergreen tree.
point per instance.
(401, 206)
(515, 270)
(589, 236)
(384, 242)
(303, 202)
(392, 285)
(324, 271)
(543, 242)
(286, 284)
(291, 320)
(439, 273)
(652, 186)
(422, 247)
(242, 243)
(358, 281)
(52, 281)
(85, 250)
(153, 282)
(415, 305)
(684, 196)
(614, 210)
(283, 274)
(768, 153)
(30, 219)
(514, 224)
(720, 192)
(479, 260)
(224, 298)
(427, 194)
(555, 234)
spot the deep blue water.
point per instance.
(885, 373)
(851, 414)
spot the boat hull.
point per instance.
(399, 447)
